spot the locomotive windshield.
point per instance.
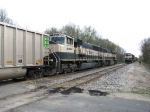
(59, 40)
(128, 54)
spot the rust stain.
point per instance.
(38, 61)
(9, 62)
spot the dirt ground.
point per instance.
(137, 83)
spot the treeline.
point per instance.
(145, 49)
(90, 35)
(4, 17)
(87, 33)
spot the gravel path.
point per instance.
(131, 78)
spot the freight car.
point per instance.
(21, 52)
(130, 58)
(30, 54)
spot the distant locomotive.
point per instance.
(30, 54)
(130, 58)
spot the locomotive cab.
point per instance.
(62, 45)
(61, 52)
(129, 58)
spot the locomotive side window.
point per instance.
(69, 41)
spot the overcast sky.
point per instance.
(124, 22)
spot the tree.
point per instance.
(71, 30)
(4, 17)
(51, 31)
(88, 34)
(145, 49)
(120, 53)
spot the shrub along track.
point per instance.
(9, 103)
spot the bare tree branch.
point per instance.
(4, 18)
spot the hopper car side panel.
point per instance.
(20, 50)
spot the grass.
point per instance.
(145, 93)
(147, 63)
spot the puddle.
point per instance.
(76, 90)
(42, 87)
(72, 90)
(97, 93)
(56, 90)
(65, 92)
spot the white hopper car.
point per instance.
(21, 51)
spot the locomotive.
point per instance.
(29, 54)
(130, 58)
(74, 54)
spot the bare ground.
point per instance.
(131, 82)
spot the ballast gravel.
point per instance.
(27, 86)
(131, 78)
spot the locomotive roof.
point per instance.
(129, 53)
(85, 44)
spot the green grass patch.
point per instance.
(145, 93)
(147, 63)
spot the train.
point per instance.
(29, 54)
(130, 58)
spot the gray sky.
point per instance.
(124, 22)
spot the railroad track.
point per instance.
(10, 81)
(78, 82)
(9, 103)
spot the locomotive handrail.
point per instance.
(55, 58)
(48, 54)
(58, 62)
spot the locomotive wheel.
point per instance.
(72, 70)
(27, 77)
(15, 79)
(30, 75)
(57, 73)
(39, 74)
(65, 71)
